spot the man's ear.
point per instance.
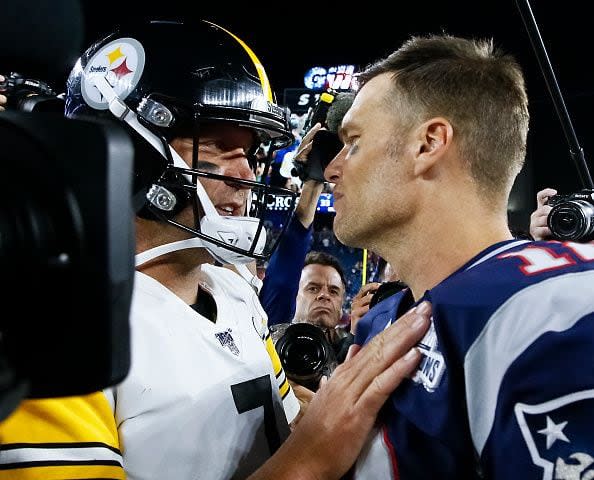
(435, 138)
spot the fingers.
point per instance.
(538, 223)
(303, 394)
(379, 366)
(308, 137)
(543, 196)
(370, 287)
(541, 233)
(361, 301)
(3, 98)
(306, 143)
(352, 351)
(347, 404)
(402, 357)
(538, 220)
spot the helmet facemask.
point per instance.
(235, 237)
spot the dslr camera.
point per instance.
(572, 216)
(306, 352)
(28, 94)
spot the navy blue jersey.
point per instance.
(505, 389)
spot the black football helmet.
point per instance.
(164, 80)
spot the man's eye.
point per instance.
(208, 167)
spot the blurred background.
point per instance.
(292, 37)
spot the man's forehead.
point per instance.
(319, 275)
(368, 99)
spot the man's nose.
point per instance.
(323, 293)
(241, 170)
(332, 170)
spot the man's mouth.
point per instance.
(230, 209)
(322, 309)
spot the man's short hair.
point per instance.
(479, 88)
(323, 258)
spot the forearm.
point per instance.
(308, 202)
(286, 464)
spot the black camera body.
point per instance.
(325, 144)
(66, 253)
(28, 94)
(572, 216)
(305, 351)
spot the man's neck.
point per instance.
(436, 247)
(179, 271)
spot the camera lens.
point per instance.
(303, 355)
(304, 352)
(572, 220)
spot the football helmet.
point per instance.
(164, 80)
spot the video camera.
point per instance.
(306, 352)
(66, 254)
(29, 94)
(325, 144)
(572, 216)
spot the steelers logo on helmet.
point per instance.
(121, 63)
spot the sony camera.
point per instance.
(572, 216)
(306, 352)
(28, 94)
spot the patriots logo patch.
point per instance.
(558, 438)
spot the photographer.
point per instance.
(321, 292)
(314, 343)
(281, 282)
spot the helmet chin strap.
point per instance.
(195, 242)
(234, 230)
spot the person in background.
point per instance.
(281, 280)
(283, 273)
(205, 396)
(321, 291)
(432, 145)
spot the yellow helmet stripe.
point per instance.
(260, 69)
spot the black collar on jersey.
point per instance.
(205, 305)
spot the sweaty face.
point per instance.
(320, 296)
(222, 150)
(371, 171)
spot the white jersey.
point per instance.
(202, 399)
